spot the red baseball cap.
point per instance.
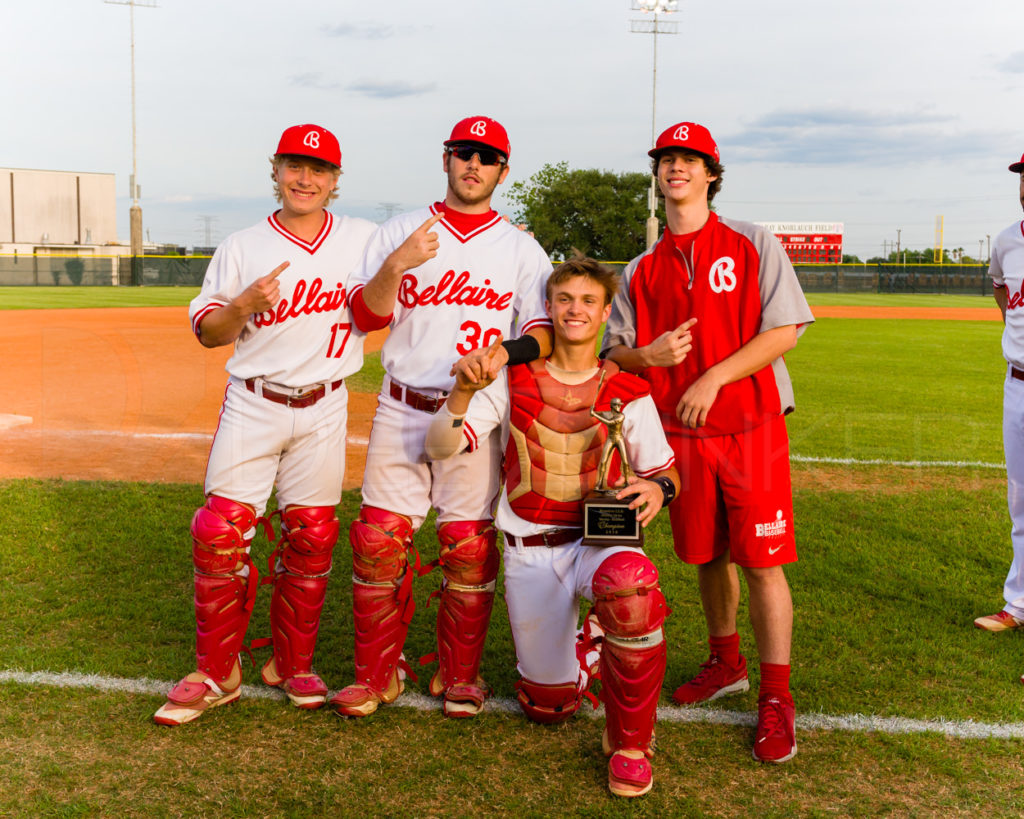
(483, 131)
(688, 135)
(312, 141)
(1018, 167)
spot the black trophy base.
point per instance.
(608, 521)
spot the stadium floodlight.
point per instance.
(654, 27)
(656, 6)
(135, 213)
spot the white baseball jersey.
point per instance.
(480, 284)
(309, 337)
(1007, 270)
(646, 447)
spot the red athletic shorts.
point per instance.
(736, 495)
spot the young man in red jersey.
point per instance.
(722, 391)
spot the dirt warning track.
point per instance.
(119, 394)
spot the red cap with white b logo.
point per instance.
(686, 135)
(312, 141)
(482, 131)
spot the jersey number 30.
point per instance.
(473, 339)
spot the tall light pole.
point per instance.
(135, 212)
(654, 27)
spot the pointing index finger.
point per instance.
(433, 220)
(273, 274)
(686, 325)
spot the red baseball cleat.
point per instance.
(775, 740)
(716, 680)
(1000, 621)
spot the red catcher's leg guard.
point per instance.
(631, 609)
(300, 584)
(382, 606)
(548, 704)
(224, 594)
(469, 559)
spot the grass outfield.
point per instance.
(947, 300)
(97, 581)
(42, 298)
(895, 563)
(898, 390)
(51, 298)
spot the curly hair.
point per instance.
(716, 169)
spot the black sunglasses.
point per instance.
(487, 156)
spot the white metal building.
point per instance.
(70, 212)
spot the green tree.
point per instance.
(600, 213)
(926, 256)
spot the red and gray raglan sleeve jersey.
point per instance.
(738, 282)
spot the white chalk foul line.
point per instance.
(355, 440)
(811, 459)
(362, 441)
(358, 440)
(858, 723)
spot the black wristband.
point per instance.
(522, 350)
(668, 489)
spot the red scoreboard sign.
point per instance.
(809, 241)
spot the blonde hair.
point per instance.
(277, 159)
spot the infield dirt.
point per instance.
(129, 394)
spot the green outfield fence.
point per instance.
(888, 278)
(188, 271)
(33, 269)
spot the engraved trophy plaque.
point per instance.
(608, 521)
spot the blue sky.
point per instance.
(880, 115)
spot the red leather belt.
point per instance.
(556, 537)
(307, 399)
(417, 400)
(1018, 374)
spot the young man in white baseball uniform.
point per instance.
(277, 291)
(553, 459)
(1007, 271)
(448, 280)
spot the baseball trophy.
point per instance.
(608, 521)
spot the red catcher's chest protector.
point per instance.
(554, 443)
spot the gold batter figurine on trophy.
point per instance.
(612, 419)
(608, 521)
